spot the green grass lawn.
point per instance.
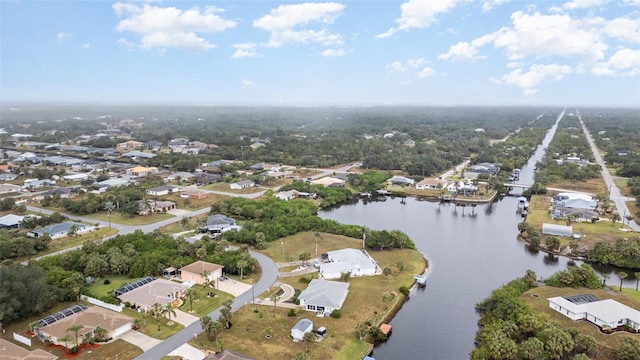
(622, 185)
(130, 221)
(633, 294)
(204, 305)
(149, 326)
(99, 288)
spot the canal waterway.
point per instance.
(472, 252)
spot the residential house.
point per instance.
(159, 291)
(219, 223)
(557, 230)
(575, 200)
(154, 206)
(178, 142)
(193, 273)
(352, 261)
(63, 193)
(302, 327)
(8, 177)
(430, 184)
(323, 296)
(485, 168)
(113, 182)
(328, 181)
(161, 190)
(194, 194)
(138, 155)
(461, 187)
(206, 179)
(287, 195)
(401, 181)
(180, 176)
(15, 352)
(152, 144)
(89, 321)
(256, 167)
(60, 230)
(35, 184)
(141, 171)
(11, 221)
(197, 145)
(606, 313)
(244, 184)
(131, 144)
(256, 145)
(9, 188)
(576, 214)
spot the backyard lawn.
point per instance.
(99, 288)
(149, 325)
(203, 305)
(364, 303)
(117, 218)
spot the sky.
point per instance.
(343, 53)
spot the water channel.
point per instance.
(472, 252)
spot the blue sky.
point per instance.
(415, 52)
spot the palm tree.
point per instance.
(75, 328)
(156, 311)
(636, 274)
(274, 298)
(191, 294)
(65, 339)
(208, 284)
(205, 276)
(241, 264)
(109, 207)
(308, 338)
(623, 275)
(100, 333)
(169, 310)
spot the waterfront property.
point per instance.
(323, 296)
(557, 230)
(607, 314)
(352, 261)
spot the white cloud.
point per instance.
(167, 27)
(247, 84)
(622, 29)
(529, 81)
(426, 72)
(333, 53)
(490, 4)
(289, 23)
(583, 4)
(245, 50)
(397, 66)
(62, 36)
(419, 14)
(632, 2)
(415, 63)
(85, 45)
(464, 51)
(625, 62)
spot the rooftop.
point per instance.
(199, 266)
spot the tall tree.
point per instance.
(156, 312)
(623, 275)
(169, 311)
(308, 339)
(24, 292)
(75, 328)
(637, 275)
(191, 294)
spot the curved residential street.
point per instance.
(614, 193)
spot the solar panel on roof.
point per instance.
(61, 315)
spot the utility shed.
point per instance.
(303, 326)
(557, 230)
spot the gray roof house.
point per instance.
(219, 222)
(557, 230)
(323, 296)
(11, 221)
(58, 230)
(161, 190)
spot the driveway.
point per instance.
(140, 340)
(184, 318)
(187, 352)
(233, 287)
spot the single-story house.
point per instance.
(8, 176)
(153, 206)
(603, 313)
(328, 181)
(161, 190)
(32, 184)
(575, 200)
(182, 176)
(63, 193)
(579, 215)
(323, 296)
(401, 181)
(303, 326)
(9, 188)
(138, 154)
(76, 177)
(11, 221)
(353, 261)
(16, 352)
(131, 144)
(205, 179)
(178, 142)
(242, 185)
(219, 223)
(113, 182)
(430, 184)
(141, 171)
(90, 319)
(194, 272)
(461, 187)
(287, 195)
(227, 354)
(194, 194)
(557, 230)
(159, 291)
(59, 230)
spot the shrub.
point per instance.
(336, 314)
(404, 290)
(127, 304)
(292, 312)
(305, 279)
(296, 301)
(106, 281)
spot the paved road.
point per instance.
(614, 193)
(269, 276)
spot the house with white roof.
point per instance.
(59, 230)
(352, 261)
(603, 313)
(401, 181)
(323, 296)
(244, 184)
